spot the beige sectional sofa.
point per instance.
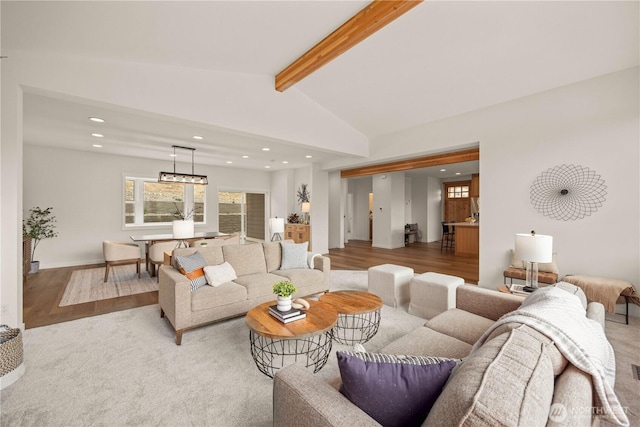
(517, 377)
(257, 266)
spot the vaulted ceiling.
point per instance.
(439, 60)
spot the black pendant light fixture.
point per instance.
(183, 178)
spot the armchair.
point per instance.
(116, 253)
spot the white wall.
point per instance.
(408, 196)
(388, 210)
(434, 210)
(360, 189)
(419, 213)
(320, 214)
(281, 182)
(337, 206)
(86, 189)
(593, 124)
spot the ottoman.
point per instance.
(391, 283)
(432, 294)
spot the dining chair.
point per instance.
(156, 254)
(116, 253)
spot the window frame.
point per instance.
(138, 202)
(452, 184)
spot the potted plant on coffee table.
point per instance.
(284, 289)
(40, 225)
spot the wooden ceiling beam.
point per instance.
(420, 162)
(373, 17)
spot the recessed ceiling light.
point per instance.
(97, 145)
(97, 135)
(284, 162)
(197, 137)
(96, 119)
(245, 157)
(265, 149)
(267, 167)
(308, 156)
(457, 173)
(443, 170)
(229, 161)
(173, 155)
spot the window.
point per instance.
(243, 213)
(457, 191)
(146, 201)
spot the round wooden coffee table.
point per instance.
(358, 315)
(275, 344)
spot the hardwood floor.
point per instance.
(422, 257)
(43, 290)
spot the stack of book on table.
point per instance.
(286, 316)
(520, 289)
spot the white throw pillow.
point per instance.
(218, 274)
(294, 255)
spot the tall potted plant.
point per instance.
(40, 225)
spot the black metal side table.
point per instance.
(275, 344)
(358, 315)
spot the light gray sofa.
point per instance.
(257, 266)
(300, 398)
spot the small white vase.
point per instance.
(284, 303)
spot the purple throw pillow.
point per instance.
(394, 390)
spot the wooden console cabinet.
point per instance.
(298, 233)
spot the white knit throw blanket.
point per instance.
(561, 317)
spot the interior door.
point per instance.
(457, 205)
(457, 210)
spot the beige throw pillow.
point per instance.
(506, 382)
(551, 267)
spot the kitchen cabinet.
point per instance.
(467, 239)
(298, 233)
(474, 190)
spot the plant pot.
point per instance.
(35, 267)
(284, 303)
(183, 229)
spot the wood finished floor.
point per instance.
(43, 290)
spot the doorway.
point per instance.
(242, 213)
(457, 204)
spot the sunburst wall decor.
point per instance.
(568, 192)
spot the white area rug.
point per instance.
(124, 369)
(88, 285)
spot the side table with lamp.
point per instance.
(533, 248)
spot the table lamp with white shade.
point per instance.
(533, 248)
(277, 226)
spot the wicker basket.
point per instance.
(11, 354)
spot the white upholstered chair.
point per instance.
(116, 253)
(156, 254)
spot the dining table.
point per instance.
(150, 239)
